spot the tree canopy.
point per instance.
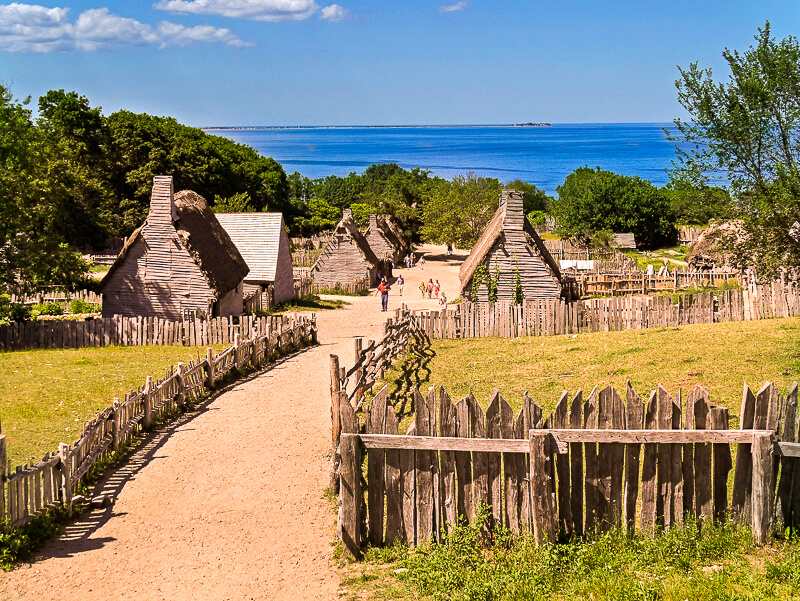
(745, 133)
(592, 200)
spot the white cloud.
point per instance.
(448, 8)
(334, 13)
(33, 28)
(255, 10)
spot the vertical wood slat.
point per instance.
(423, 420)
(541, 489)
(576, 465)
(463, 462)
(480, 461)
(635, 411)
(649, 470)
(605, 409)
(394, 483)
(493, 430)
(560, 421)
(447, 427)
(592, 485)
(742, 478)
(784, 502)
(376, 423)
(722, 464)
(701, 402)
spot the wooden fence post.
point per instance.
(148, 388)
(210, 368)
(3, 455)
(115, 425)
(180, 398)
(541, 489)
(335, 386)
(762, 487)
(66, 475)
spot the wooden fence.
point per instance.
(303, 287)
(552, 317)
(32, 488)
(589, 466)
(595, 282)
(355, 287)
(305, 258)
(56, 296)
(129, 331)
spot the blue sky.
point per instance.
(368, 62)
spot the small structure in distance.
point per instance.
(262, 240)
(179, 263)
(510, 246)
(346, 258)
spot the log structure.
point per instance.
(262, 241)
(347, 256)
(509, 246)
(179, 262)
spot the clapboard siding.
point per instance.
(346, 258)
(156, 274)
(511, 246)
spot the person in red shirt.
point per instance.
(383, 289)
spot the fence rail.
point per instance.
(31, 488)
(589, 466)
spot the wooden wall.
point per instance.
(342, 262)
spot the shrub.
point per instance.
(77, 306)
(48, 309)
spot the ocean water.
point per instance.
(540, 155)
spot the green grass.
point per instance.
(720, 357)
(309, 303)
(712, 563)
(46, 395)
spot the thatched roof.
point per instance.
(199, 232)
(709, 250)
(389, 222)
(208, 243)
(625, 240)
(502, 219)
(347, 226)
(383, 228)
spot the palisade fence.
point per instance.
(130, 331)
(354, 287)
(552, 317)
(55, 295)
(32, 488)
(580, 284)
(590, 466)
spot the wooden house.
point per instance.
(625, 241)
(509, 246)
(262, 240)
(346, 258)
(179, 263)
(386, 245)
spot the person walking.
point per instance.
(430, 288)
(442, 302)
(422, 263)
(383, 289)
(422, 288)
(436, 288)
(400, 282)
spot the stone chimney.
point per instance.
(515, 217)
(347, 213)
(373, 223)
(162, 201)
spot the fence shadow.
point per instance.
(76, 535)
(414, 372)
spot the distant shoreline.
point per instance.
(445, 126)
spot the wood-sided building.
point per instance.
(383, 240)
(179, 263)
(510, 245)
(262, 240)
(346, 258)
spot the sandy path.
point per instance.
(228, 502)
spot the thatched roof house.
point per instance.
(346, 258)
(262, 240)
(708, 252)
(509, 245)
(625, 241)
(383, 240)
(179, 262)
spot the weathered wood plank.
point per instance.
(743, 474)
(649, 469)
(542, 493)
(592, 484)
(448, 427)
(664, 500)
(722, 464)
(423, 420)
(561, 420)
(634, 421)
(480, 462)
(376, 422)
(463, 462)
(408, 477)
(783, 499)
(617, 459)
(701, 401)
(762, 493)
(605, 408)
(394, 484)
(576, 465)
(493, 430)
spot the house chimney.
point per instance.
(373, 223)
(515, 217)
(162, 201)
(347, 213)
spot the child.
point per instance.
(442, 302)
(422, 288)
(436, 288)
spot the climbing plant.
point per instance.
(518, 296)
(480, 275)
(492, 285)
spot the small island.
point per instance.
(532, 125)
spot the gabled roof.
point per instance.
(383, 228)
(348, 226)
(198, 231)
(625, 240)
(502, 219)
(258, 238)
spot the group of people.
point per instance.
(432, 289)
(409, 261)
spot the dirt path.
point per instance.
(228, 502)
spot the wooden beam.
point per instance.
(563, 437)
(441, 443)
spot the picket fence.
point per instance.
(580, 470)
(582, 284)
(305, 258)
(553, 317)
(55, 295)
(32, 488)
(355, 287)
(128, 331)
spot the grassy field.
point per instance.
(720, 357)
(46, 395)
(712, 563)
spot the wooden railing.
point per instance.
(589, 466)
(32, 488)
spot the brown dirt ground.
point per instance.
(227, 502)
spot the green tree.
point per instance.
(591, 200)
(745, 133)
(458, 211)
(238, 203)
(697, 204)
